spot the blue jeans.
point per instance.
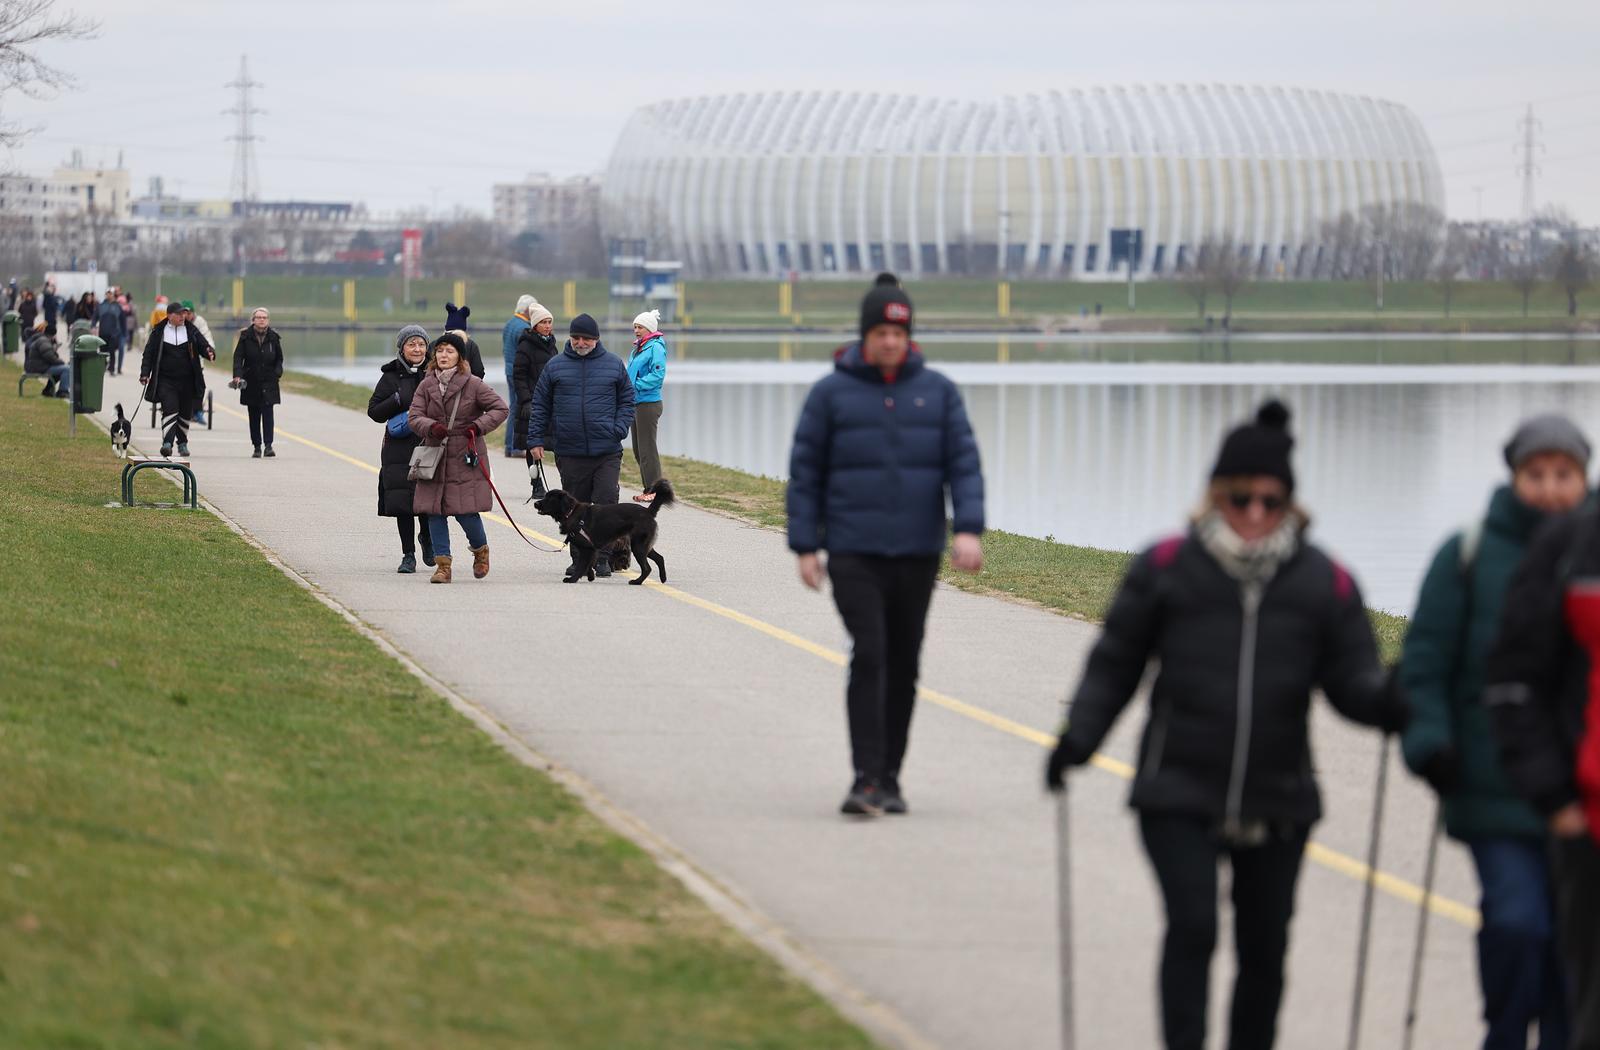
(1518, 963)
(511, 402)
(439, 529)
(59, 374)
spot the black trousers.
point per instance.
(592, 479)
(178, 403)
(884, 604)
(260, 424)
(1185, 850)
(413, 527)
(1575, 863)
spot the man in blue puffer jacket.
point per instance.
(879, 442)
(583, 405)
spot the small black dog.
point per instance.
(591, 528)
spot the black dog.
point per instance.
(591, 528)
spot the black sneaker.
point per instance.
(893, 802)
(602, 566)
(166, 451)
(183, 451)
(865, 799)
(257, 453)
(268, 452)
(408, 565)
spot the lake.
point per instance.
(1107, 441)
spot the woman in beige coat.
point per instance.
(460, 488)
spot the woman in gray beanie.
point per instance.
(1449, 741)
(390, 405)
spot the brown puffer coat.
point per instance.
(456, 488)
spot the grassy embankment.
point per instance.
(1076, 581)
(230, 820)
(955, 302)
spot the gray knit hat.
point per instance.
(407, 332)
(1550, 433)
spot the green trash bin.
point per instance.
(12, 326)
(88, 374)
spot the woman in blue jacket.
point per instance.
(647, 370)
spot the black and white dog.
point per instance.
(593, 528)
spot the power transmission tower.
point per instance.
(246, 181)
(1529, 128)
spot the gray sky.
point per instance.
(403, 104)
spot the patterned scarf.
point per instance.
(1250, 561)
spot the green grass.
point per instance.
(345, 395)
(229, 820)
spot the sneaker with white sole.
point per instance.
(865, 798)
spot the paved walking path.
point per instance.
(712, 711)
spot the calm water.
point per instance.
(1107, 442)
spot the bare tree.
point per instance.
(1196, 281)
(466, 248)
(1225, 270)
(1451, 263)
(1524, 274)
(1573, 269)
(25, 25)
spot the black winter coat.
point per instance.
(259, 362)
(1544, 716)
(534, 351)
(191, 369)
(28, 311)
(1228, 736)
(392, 397)
(40, 353)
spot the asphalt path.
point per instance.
(711, 711)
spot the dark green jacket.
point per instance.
(1442, 669)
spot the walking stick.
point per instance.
(1364, 942)
(1422, 926)
(1069, 1040)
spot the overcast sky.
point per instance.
(403, 104)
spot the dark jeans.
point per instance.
(1518, 964)
(260, 424)
(413, 525)
(1576, 866)
(1184, 850)
(884, 604)
(61, 374)
(592, 479)
(439, 529)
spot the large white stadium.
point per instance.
(1063, 184)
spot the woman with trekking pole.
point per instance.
(1449, 742)
(452, 411)
(390, 405)
(1246, 619)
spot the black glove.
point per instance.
(1442, 770)
(1394, 713)
(1062, 758)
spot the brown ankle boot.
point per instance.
(480, 561)
(441, 569)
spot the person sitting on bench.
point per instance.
(43, 359)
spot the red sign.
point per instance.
(411, 253)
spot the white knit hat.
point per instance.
(536, 311)
(523, 302)
(651, 319)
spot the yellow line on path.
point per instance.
(1327, 857)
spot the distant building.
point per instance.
(556, 220)
(1061, 184)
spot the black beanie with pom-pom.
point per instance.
(1259, 448)
(885, 303)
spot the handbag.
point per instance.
(425, 459)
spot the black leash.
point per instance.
(472, 445)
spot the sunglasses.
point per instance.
(1269, 503)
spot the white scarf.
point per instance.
(1250, 561)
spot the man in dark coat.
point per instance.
(108, 321)
(879, 443)
(583, 403)
(257, 367)
(1543, 696)
(42, 358)
(171, 373)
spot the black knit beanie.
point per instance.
(1259, 448)
(886, 303)
(583, 324)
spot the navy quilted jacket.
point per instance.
(872, 459)
(585, 401)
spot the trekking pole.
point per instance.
(1422, 926)
(1069, 1040)
(1364, 941)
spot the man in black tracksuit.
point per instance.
(1543, 696)
(879, 442)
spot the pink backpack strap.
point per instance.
(1343, 586)
(1166, 552)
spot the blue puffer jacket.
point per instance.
(872, 459)
(585, 401)
(647, 368)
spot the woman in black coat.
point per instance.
(257, 367)
(535, 347)
(390, 405)
(1245, 619)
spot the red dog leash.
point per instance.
(472, 445)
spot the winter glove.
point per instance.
(1442, 770)
(438, 431)
(1062, 758)
(1394, 713)
(399, 426)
